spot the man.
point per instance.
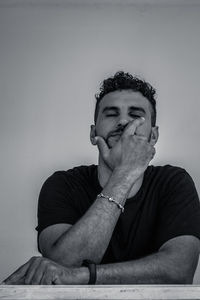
(135, 223)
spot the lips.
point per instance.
(115, 134)
(113, 138)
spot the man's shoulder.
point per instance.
(165, 170)
(168, 175)
(75, 174)
(74, 180)
(77, 170)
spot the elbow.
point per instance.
(67, 256)
(175, 273)
(181, 279)
(72, 258)
(179, 264)
(182, 273)
(64, 258)
(179, 276)
(50, 254)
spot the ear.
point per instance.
(154, 135)
(93, 134)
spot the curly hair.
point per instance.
(125, 81)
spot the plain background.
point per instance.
(53, 56)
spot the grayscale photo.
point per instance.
(100, 142)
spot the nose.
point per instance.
(123, 121)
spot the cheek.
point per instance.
(103, 128)
(101, 131)
(144, 129)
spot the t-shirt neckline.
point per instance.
(131, 199)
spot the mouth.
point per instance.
(115, 134)
(113, 139)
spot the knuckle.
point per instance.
(51, 267)
(33, 258)
(135, 137)
(44, 262)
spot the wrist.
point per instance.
(119, 185)
(126, 176)
(83, 275)
(76, 275)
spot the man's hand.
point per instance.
(130, 153)
(40, 270)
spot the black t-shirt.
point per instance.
(166, 206)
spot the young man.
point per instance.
(135, 223)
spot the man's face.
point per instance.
(116, 110)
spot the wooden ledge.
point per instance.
(100, 292)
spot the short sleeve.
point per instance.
(56, 204)
(178, 209)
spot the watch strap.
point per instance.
(92, 269)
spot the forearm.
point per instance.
(90, 236)
(158, 268)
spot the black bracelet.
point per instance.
(92, 268)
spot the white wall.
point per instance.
(53, 55)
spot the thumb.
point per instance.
(102, 146)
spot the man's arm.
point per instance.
(174, 263)
(90, 236)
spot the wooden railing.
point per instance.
(100, 292)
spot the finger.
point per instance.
(37, 277)
(35, 266)
(46, 279)
(102, 146)
(140, 137)
(19, 281)
(18, 275)
(132, 126)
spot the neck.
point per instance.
(104, 173)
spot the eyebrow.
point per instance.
(135, 108)
(108, 108)
(116, 109)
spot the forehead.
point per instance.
(125, 99)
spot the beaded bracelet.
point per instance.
(101, 195)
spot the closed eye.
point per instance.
(135, 116)
(111, 115)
